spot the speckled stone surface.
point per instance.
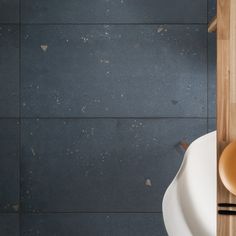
(9, 11)
(211, 124)
(114, 71)
(114, 11)
(105, 91)
(9, 71)
(211, 9)
(212, 75)
(100, 224)
(9, 224)
(9, 165)
(101, 165)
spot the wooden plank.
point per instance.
(226, 100)
(232, 123)
(212, 26)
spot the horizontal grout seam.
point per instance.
(101, 117)
(75, 24)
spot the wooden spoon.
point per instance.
(227, 167)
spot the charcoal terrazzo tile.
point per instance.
(211, 124)
(9, 225)
(212, 75)
(115, 71)
(113, 11)
(9, 165)
(9, 11)
(93, 224)
(211, 9)
(9, 71)
(101, 164)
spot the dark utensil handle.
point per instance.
(226, 212)
(226, 205)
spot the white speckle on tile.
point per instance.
(37, 87)
(122, 95)
(83, 109)
(31, 133)
(33, 151)
(23, 104)
(136, 124)
(85, 39)
(67, 40)
(97, 100)
(105, 61)
(148, 182)
(160, 28)
(58, 100)
(44, 47)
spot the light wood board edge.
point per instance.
(226, 100)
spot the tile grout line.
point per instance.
(102, 23)
(107, 118)
(20, 205)
(84, 212)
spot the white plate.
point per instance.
(189, 204)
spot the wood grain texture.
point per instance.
(226, 100)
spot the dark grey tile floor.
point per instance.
(95, 97)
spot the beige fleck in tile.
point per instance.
(148, 183)
(44, 47)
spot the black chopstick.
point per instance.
(226, 212)
(226, 205)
